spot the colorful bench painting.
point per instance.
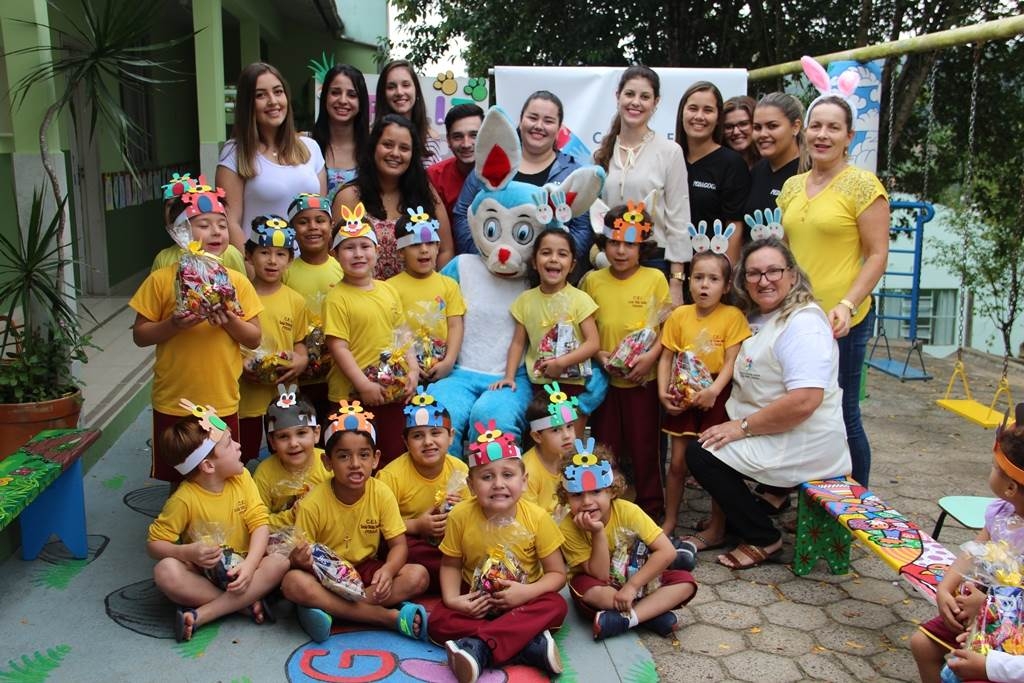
(830, 513)
(42, 485)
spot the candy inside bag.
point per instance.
(289, 490)
(628, 555)
(202, 285)
(501, 563)
(442, 498)
(999, 625)
(336, 574)
(428, 323)
(214, 534)
(263, 366)
(636, 343)
(391, 371)
(689, 377)
(560, 338)
(284, 540)
(320, 361)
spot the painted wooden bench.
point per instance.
(41, 485)
(833, 512)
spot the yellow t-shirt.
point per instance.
(353, 532)
(232, 259)
(623, 515)
(822, 231)
(707, 337)
(201, 363)
(313, 281)
(414, 492)
(366, 319)
(281, 489)
(541, 485)
(624, 306)
(470, 537)
(539, 313)
(238, 510)
(433, 289)
(283, 323)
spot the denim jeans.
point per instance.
(852, 349)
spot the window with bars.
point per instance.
(936, 315)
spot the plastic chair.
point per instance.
(969, 511)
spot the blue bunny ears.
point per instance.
(765, 224)
(718, 244)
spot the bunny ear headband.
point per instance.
(211, 424)
(586, 472)
(561, 409)
(719, 244)
(350, 418)
(765, 224)
(844, 88)
(287, 411)
(492, 444)
(416, 227)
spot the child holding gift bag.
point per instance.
(216, 243)
(196, 334)
(631, 301)
(959, 601)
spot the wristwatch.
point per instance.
(849, 304)
(678, 276)
(745, 426)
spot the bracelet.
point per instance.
(849, 304)
(678, 276)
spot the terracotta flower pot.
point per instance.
(19, 422)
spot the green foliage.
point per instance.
(37, 362)
(35, 668)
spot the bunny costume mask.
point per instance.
(505, 217)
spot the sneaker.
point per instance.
(608, 623)
(315, 622)
(467, 657)
(686, 555)
(542, 653)
(663, 624)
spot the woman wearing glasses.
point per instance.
(836, 218)
(786, 405)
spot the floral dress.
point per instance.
(389, 261)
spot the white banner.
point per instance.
(588, 93)
(440, 93)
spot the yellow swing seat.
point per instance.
(986, 416)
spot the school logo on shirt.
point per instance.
(286, 323)
(240, 507)
(369, 526)
(704, 185)
(746, 368)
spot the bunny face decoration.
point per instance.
(765, 224)
(717, 244)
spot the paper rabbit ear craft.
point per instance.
(844, 86)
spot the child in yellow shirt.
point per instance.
(216, 244)
(602, 527)
(552, 417)
(426, 480)
(269, 250)
(218, 492)
(295, 465)
(426, 292)
(349, 514)
(488, 616)
(194, 357)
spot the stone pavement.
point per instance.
(766, 624)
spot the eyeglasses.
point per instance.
(739, 124)
(771, 275)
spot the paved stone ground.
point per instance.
(768, 624)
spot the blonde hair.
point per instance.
(799, 295)
(290, 150)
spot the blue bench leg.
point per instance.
(60, 509)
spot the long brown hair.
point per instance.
(717, 133)
(603, 155)
(290, 150)
(743, 103)
(418, 115)
(793, 110)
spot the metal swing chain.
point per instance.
(968, 191)
(930, 127)
(890, 176)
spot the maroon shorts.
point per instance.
(693, 421)
(161, 422)
(367, 568)
(250, 436)
(429, 555)
(582, 582)
(937, 627)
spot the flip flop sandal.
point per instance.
(268, 614)
(696, 539)
(407, 612)
(748, 552)
(180, 625)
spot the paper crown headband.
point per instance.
(214, 428)
(844, 87)
(306, 200)
(425, 411)
(179, 184)
(1009, 468)
(719, 244)
(561, 409)
(416, 228)
(287, 410)
(350, 418)
(587, 472)
(633, 226)
(272, 231)
(765, 224)
(353, 224)
(492, 444)
(200, 199)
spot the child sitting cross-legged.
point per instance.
(211, 536)
(349, 514)
(552, 417)
(426, 480)
(295, 465)
(501, 570)
(610, 581)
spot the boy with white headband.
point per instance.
(195, 570)
(552, 417)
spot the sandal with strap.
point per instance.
(701, 543)
(180, 625)
(736, 558)
(407, 613)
